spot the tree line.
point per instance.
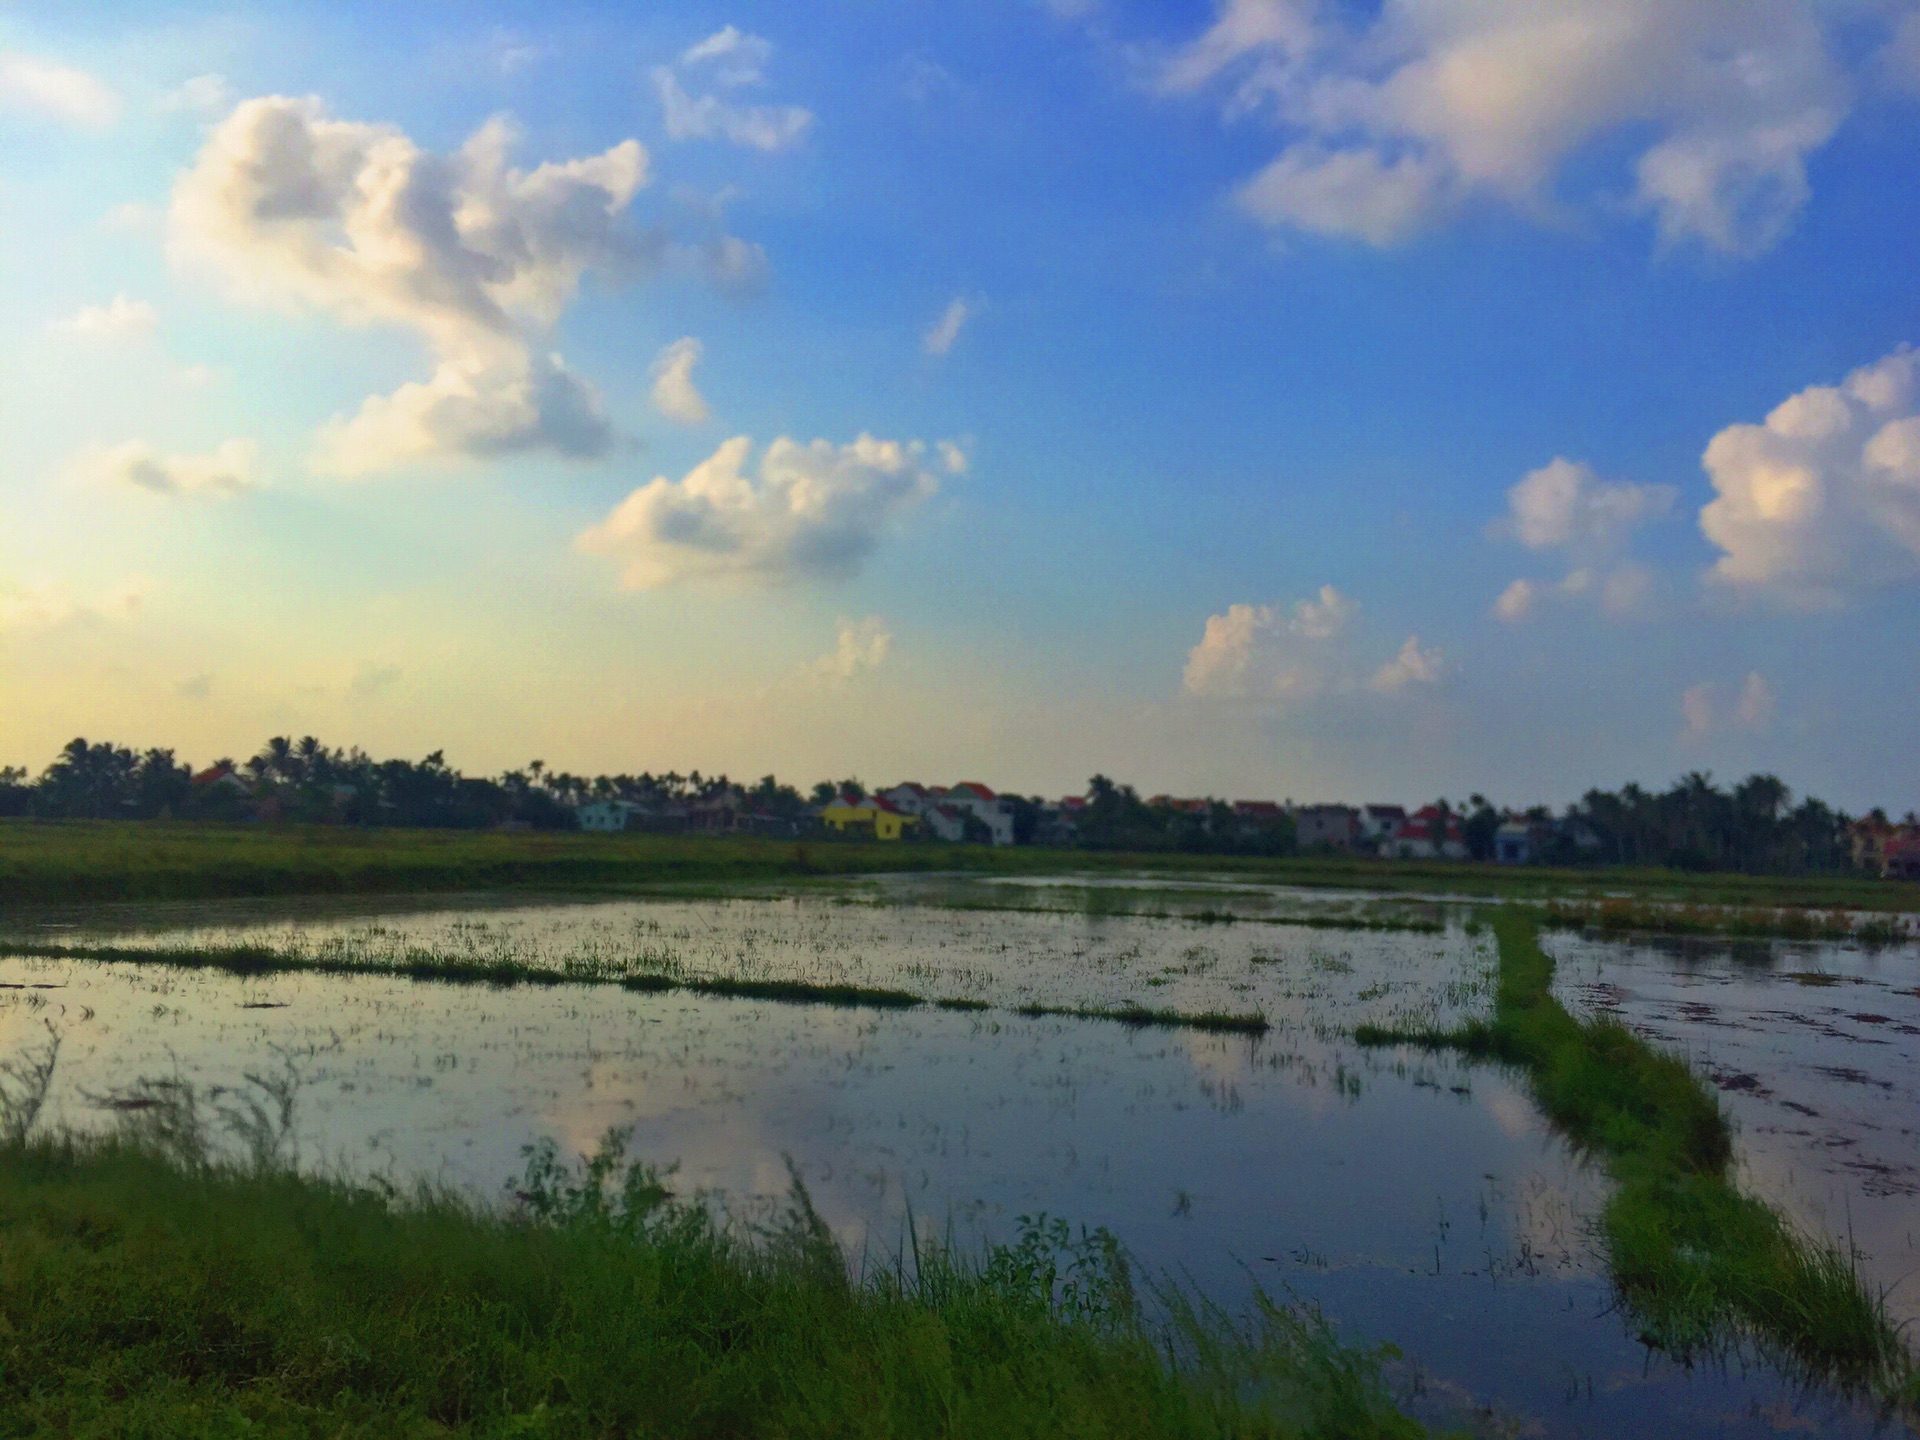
(1757, 825)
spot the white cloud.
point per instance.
(735, 57)
(202, 95)
(119, 318)
(1564, 506)
(859, 645)
(1517, 601)
(674, 393)
(1822, 499)
(1750, 709)
(813, 512)
(1412, 666)
(47, 607)
(1395, 115)
(289, 206)
(940, 336)
(1295, 655)
(229, 469)
(1351, 193)
(953, 456)
(46, 87)
(708, 117)
(1622, 591)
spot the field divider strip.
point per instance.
(249, 961)
(1698, 1262)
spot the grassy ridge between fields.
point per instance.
(258, 960)
(65, 861)
(145, 1290)
(1698, 1262)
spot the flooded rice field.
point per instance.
(1419, 1200)
(1815, 1051)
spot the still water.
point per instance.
(1418, 1200)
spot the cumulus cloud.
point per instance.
(674, 393)
(731, 59)
(858, 645)
(1412, 666)
(289, 206)
(941, 335)
(119, 318)
(230, 469)
(1395, 115)
(1296, 654)
(814, 511)
(1564, 506)
(1823, 498)
(60, 92)
(1706, 710)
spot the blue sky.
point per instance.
(1440, 305)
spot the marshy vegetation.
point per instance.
(1700, 1264)
(1626, 916)
(158, 1283)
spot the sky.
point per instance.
(1261, 398)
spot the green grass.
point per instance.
(1698, 1262)
(1142, 1017)
(257, 960)
(68, 861)
(147, 1292)
(1629, 916)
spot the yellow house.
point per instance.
(882, 817)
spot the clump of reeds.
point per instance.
(152, 1287)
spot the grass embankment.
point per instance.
(1697, 1261)
(259, 960)
(54, 862)
(1625, 917)
(156, 1294)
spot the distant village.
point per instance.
(1756, 825)
(972, 812)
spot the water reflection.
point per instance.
(1421, 1200)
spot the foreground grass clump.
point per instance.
(151, 1293)
(1698, 1261)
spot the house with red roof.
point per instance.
(1428, 834)
(970, 797)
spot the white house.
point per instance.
(604, 815)
(909, 798)
(1378, 823)
(985, 806)
(1329, 827)
(1517, 842)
